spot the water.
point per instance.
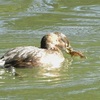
(24, 22)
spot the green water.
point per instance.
(24, 22)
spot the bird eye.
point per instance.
(65, 40)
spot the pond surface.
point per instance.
(24, 22)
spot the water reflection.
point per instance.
(46, 74)
(40, 75)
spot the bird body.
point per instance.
(48, 54)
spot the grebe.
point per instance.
(49, 53)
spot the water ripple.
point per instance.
(88, 8)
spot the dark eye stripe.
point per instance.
(66, 41)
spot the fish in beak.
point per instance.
(72, 52)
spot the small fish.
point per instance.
(76, 53)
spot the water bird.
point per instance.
(48, 54)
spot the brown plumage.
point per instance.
(49, 53)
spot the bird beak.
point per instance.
(69, 50)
